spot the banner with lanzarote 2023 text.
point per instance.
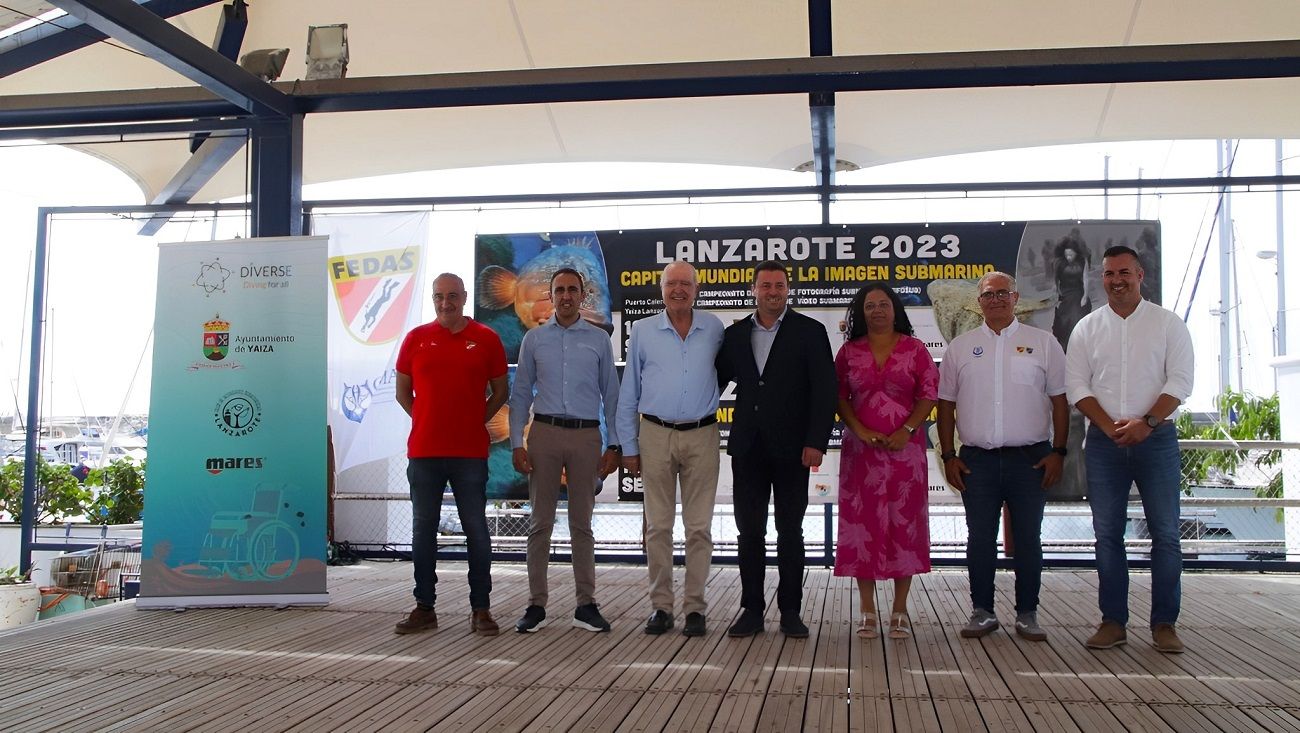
(934, 268)
(236, 508)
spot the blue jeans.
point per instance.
(996, 476)
(1154, 466)
(468, 478)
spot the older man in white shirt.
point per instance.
(1128, 368)
(1002, 386)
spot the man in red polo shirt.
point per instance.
(451, 379)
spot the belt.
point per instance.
(567, 422)
(1006, 448)
(683, 425)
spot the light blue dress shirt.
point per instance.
(564, 372)
(762, 338)
(667, 376)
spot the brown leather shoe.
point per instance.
(1109, 635)
(1165, 639)
(482, 623)
(421, 619)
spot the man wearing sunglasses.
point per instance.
(1002, 385)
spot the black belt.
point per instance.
(567, 422)
(683, 425)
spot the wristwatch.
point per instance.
(615, 448)
(947, 455)
(1061, 451)
(1152, 421)
(910, 430)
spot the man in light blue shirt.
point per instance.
(668, 422)
(566, 376)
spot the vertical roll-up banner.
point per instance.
(235, 504)
(376, 263)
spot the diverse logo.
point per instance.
(217, 464)
(216, 338)
(212, 277)
(1024, 349)
(977, 351)
(373, 291)
(238, 413)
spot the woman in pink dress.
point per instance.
(888, 385)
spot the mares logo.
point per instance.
(374, 291)
(216, 465)
(237, 413)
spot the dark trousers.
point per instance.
(997, 476)
(468, 478)
(758, 478)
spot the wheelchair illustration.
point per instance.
(251, 545)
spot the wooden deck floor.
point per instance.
(343, 668)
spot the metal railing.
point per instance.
(1233, 513)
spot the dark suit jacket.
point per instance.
(792, 403)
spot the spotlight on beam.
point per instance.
(265, 63)
(327, 51)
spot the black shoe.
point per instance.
(793, 626)
(660, 621)
(533, 619)
(588, 617)
(694, 625)
(749, 623)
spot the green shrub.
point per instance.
(58, 493)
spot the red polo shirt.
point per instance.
(449, 374)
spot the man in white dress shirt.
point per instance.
(1128, 368)
(1005, 382)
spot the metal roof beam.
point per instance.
(161, 41)
(204, 163)
(975, 69)
(47, 41)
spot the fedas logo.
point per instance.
(238, 413)
(373, 291)
(216, 465)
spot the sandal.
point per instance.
(900, 626)
(869, 626)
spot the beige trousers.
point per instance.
(576, 452)
(668, 456)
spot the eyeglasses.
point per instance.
(989, 295)
(868, 307)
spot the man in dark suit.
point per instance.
(781, 363)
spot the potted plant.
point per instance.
(20, 599)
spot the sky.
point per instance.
(101, 283)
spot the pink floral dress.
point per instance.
(884, 526)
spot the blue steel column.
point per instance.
(34, 393)
(821, 107)
(277, 177)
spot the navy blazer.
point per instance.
(792, 403)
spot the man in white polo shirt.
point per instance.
(1005, 382)
(1128, 368)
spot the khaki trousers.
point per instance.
(577, 452)
(668, 456)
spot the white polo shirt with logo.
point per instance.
(1003, 384)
